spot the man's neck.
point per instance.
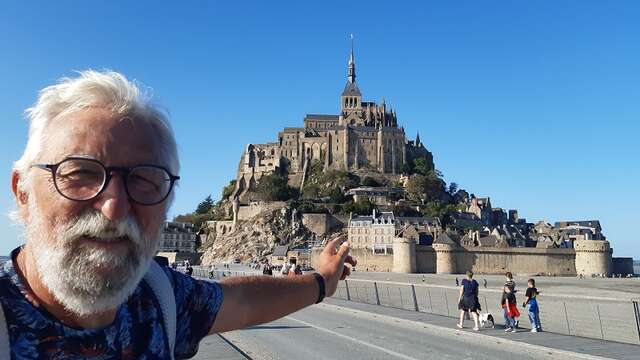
(39, 295)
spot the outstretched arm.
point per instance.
(255, 300)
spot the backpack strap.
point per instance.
(157, 279)
(5, 345)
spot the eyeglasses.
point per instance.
(80, 179)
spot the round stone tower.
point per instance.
(404, 256)
(446, 251)
(593, 257)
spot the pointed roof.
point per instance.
(351, 74)
(281, 250)
(447, 239)
(351, 89)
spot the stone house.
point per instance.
(178, 237)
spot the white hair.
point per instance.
(106, 89)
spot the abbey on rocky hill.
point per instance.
(365, 136)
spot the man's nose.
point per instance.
(113, 202)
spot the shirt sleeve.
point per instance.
(197, 304)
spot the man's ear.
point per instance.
(21, 196)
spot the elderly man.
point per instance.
(92, 189)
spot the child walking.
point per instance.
(532, 302)
(510, 310)
(512, 287)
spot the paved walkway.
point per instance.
(216, 347)
(606, 349)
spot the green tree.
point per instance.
(434, 186)
(407, 168)
(274, 187)
(405, 210)
(440, 210)
(369, 181)
(205, 205)
(336, 196)
(416, 187)
(425, 188)
(420, 166)
(453, 188)
(361, 207)
(229, 189)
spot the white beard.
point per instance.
(84, 278)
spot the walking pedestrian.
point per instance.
(457, 282)
(468, 300)
(484, 282)
(533, 310)
(512, 287)
(511, 310)
(285, 269)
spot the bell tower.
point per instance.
(351, 98)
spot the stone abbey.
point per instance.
(364, 136)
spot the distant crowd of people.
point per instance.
(469, 305)
(594, 276)
(284, 270)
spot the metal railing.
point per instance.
(606, 319)
(586, 317)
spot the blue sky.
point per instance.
(535, 104)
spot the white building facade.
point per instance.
(178, 237)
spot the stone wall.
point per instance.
(622, 265)
(521, 261)
(322, 224)
(366, 260)
(246, 212)
(425, 259)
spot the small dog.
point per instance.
(486, 320)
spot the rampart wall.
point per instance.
(522, 261)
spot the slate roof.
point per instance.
(588, 223)
(351, 89)
(447, 239)
(321, 117)
(280, 250)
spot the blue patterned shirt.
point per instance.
(136, 333)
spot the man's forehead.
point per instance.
(98, 133)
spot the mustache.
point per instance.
(94, 224)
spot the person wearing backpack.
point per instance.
(92, 189)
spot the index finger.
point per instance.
(332, 245)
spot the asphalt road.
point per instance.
(330, 332)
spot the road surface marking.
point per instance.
(379, 348)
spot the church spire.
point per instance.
(351, 75)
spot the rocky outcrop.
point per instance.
(254, 239)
